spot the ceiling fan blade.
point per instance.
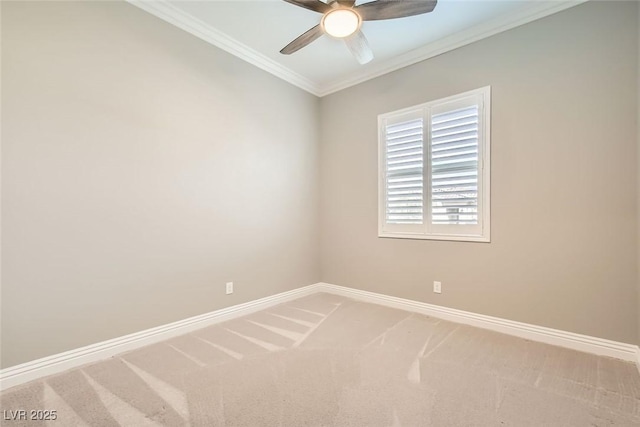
(303, 40)
(359, 47)
(390, 9)
(315, 5)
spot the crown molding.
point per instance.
(169, 13)
(187, 22)
(478, 32)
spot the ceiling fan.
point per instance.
(342, 19)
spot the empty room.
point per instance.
(320, 213)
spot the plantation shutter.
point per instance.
(404, 171)
(434, 169)
(455, 166)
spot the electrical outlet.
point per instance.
(437, 287)
(229, 288)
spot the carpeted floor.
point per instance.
(325, 360)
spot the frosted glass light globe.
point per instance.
(341, 23)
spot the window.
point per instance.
(434, 169)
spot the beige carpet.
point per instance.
(325, 360)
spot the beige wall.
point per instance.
(564, 244)
(142, 169)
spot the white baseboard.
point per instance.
(54, 364)
(19, 374)
(584, 343)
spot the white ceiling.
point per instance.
(256, 30)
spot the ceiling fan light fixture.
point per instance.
(341, 23)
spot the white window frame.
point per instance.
(426, 230)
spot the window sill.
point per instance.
(418, 236)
